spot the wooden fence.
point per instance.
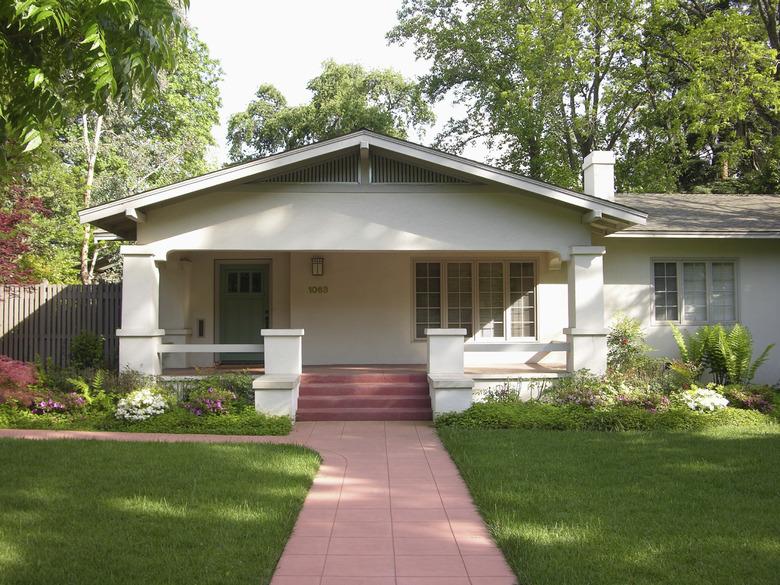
(41, 320)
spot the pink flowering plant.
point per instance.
(53, 404)
(206, 401)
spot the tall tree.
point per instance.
(55, 54)
(140, 146)
(544, 81)
(344, 98)
(685, 91)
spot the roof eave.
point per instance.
(230, 175)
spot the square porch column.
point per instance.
(276, 392)
(450, 389)
(140, 335)
(586, 334)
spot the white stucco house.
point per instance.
(367, 250)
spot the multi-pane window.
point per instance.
(427, 286)
(491, 300)
(667, 306)
(695, 291)
(723, 303)
(460, 296)
(244, 281)
(522, 299)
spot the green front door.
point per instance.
(243, 308)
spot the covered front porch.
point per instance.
(465, 320)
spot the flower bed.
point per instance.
(53, 398)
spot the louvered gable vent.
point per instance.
(338, 170)
(388, 170)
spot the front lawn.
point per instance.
(104, 513)
(576, 508)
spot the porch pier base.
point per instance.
(140, 335)
(451, 390)
(586, 334)
(276, 392)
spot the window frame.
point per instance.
(708, 262)
(443, 291)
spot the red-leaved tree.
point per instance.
(14, 242)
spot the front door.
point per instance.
(243, 308)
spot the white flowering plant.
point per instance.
(707, 398)
(141, 404)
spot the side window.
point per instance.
(427, 297)
(695, 291)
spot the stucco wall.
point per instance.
(628, 276)
(366, 314)
(455, 218)
(181, 309)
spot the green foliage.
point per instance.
(727, 353)
(345, 97)
(539, 415)
(58, 54)
(244, 421)
(626, 345)
(686, 93)
(86, 351)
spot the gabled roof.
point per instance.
(119, 216)
(704, 215)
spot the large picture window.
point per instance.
(695, 291)
(491, 300)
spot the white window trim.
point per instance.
(475, 261)
(680, 285)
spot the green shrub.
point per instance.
(538, 415)
(86, 351)
(244, 421)
(626, 347)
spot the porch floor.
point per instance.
(497, 370)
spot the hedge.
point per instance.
(539, 415)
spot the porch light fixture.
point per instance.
(317, 266)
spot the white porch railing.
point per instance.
(211, 348)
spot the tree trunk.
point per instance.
(724, 168)
(91, 150)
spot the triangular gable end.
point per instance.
(345, 169)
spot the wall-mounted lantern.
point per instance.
(317, 266)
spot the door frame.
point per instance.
(216, 273)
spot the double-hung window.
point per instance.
(491, 299)
(695, 291)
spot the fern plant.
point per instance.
(726, 353)
(730, 355)
(693, 353)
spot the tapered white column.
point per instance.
(586, 334)
(140, 335)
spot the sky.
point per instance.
(284, 42)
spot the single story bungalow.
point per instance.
(367, 250)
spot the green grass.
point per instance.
(628, 508)
(104, 513)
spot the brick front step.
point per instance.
(306, 402)
(371, 378)
(314, 414)
(364, 389)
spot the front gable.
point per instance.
(368, 162)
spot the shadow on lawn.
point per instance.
(86, 512)
(616, 508)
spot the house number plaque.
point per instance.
(317, 290)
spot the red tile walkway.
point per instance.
(387, 507)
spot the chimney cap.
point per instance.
(599, 157)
